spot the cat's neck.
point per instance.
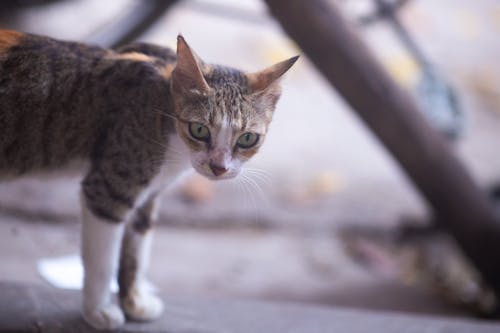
(175, 166)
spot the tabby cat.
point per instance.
(135, 118)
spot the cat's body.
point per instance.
(53, 86)
(134, 119)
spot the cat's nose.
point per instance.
(217, 169)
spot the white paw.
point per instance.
(105, 318)
(142, 306)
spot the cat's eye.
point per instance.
(199, 131)
(247, 140)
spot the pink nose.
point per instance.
(217, 169)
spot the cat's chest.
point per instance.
(176, 166)
(177, 161)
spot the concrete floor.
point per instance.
(239, 263)
(54, 311)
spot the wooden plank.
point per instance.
(459, 205)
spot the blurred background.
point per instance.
(319, 215)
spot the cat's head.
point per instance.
(222, 113)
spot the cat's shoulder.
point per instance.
(9, 38)
(163, 59)
(151, 50)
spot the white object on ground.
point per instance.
(65, 272)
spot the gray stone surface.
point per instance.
(250, 264)
(25, 308)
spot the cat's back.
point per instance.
(37, 66)
(42, 82)
(58, 97)
(37, 69)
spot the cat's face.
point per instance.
(222, 130)
(222, 114)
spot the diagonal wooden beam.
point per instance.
(333, 46)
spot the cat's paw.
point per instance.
(105, 318)
(142, 306)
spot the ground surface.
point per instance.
(323, 170)
(49, 311)
(242, 263)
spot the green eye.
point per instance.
(199, 131)
(247, 140)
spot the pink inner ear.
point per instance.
(263, 79)
(260, 81)
(187, 74)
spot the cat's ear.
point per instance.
(187, 76)
(264, 79)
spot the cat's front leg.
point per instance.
(100, 251)
(105, 204)
(138, 302)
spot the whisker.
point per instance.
(263, 174)
(161, 144)
(151, 140)
(167, 147)
(175, 150)
(242, 186)
(260, 177)
(256, 187)
(261, 171)
(165, 160)
(250, 195)
(163, 113)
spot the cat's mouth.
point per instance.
(214, 172)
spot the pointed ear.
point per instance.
(263, 79)
(187, 75)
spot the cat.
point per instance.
(135, 118)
